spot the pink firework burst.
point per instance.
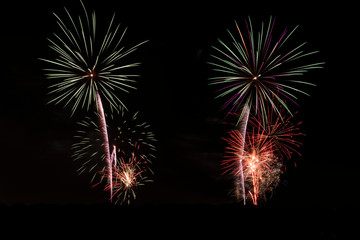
(128, 173)
(261, 170)
(281, 132)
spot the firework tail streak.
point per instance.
(103, 127)
(242, 128)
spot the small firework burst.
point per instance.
(128, 173)
(261, 171)
(257, 70)
(127, 132)
(87, 64)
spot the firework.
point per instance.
(87, 65)
(128, 173)
(262, 182)
(254, 72)
(127, 135)
(260, 169)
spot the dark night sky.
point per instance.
(173, 96)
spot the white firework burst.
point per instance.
(86, 64)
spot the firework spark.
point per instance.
(261, 171)
(127, 175)
(87, 64)
(255, 70)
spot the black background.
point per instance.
(173, 96)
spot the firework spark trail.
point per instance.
(242, 129)
(255, 176)
(113, 156)
(104, 132)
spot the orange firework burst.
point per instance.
(260, 166)
(281, 132)
(127, 174)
